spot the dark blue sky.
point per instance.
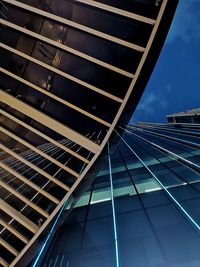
(175, 82)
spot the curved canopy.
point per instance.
(70, 71)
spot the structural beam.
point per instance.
(38, 151)
(51, 123)
(58, 99)
(44, 136)
(96, 4)
(14, 231)
(34, 167)
(66, 48)
(3, 262)
(48, 122)
(70, 50)
(24, 199)
(28, 182)
(61, 73)
(8, 247)
(16, 215)
(117, 11)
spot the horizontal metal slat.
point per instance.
(38, 151)
(46, 137)
(14, 231)
(117, 11)
(31, 184)
(77, 26)
(8, 247)
(34, 167)
(3, 262)
(48, 122)
(61, 73)
(67, 48)
(60, 100)
(24, 199)
(18, 217)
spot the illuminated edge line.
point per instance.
(47, 239)
(163, 149)
(168, 193)
(113, 209)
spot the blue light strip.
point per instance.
(163, 149)
(47, 239)
(165, 189)
(164, 136)
(113, 210)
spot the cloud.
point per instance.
(174, 85)
(169, 87)
(146, 105)
(186, 23)
(151, 103)
(155, 103)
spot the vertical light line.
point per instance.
(172, 154)
(170, 138)
(161, 184)
(61, 262)
(47, 239)
(181, 161)
(113, 209)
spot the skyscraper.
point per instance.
(189, 116)
(71, 71)
(143, 207)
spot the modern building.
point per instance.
(189, 116)
(141, 210)
(71, 72)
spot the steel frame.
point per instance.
(51, 123)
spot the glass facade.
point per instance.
(67, 78)
(150, 218)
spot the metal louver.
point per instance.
(67, 72)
